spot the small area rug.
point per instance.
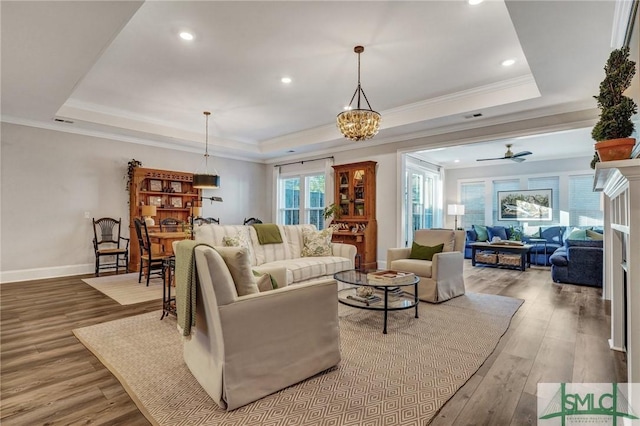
(125, 288)
(403, 377)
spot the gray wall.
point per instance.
(49, 179)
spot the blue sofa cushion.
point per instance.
(553, 234)
(497, 231)
(471, 235)
(540, 247)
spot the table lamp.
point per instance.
(147, 212)
(455, 210)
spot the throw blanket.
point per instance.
(268, 233)
(186, 281)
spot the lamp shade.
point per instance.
(148, 211)
(455, 209)
(205, 181)
(196, 211)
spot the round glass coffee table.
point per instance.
(385, 297)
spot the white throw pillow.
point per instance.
(317, 243)
(237, 260)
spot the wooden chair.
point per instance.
(108, 242)
(251, 221)
(153, 262)
(171, 225)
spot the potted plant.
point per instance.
(613, 129)
(332, 211)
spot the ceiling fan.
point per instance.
(509, 155)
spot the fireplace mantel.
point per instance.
(620, 183)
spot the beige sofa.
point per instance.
(243, 348)
(287, 255)
(440, 278)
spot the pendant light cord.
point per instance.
(206, 142)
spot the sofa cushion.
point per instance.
(265, 281)
(213, 234)
(577, 234)
(471, 235)
(303, 268)
(481, 232)
(237, 260)
(317, 243)
(553, 234)
(421, 268)
(497, 231)
(594, 235)
(295, 240)
(421, 252)
(266, 253)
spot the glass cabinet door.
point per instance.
(359, 193)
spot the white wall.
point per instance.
(49, 179)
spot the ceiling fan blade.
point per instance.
(522, 154)
(517, 159)
(487, 159)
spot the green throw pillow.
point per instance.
(593, 235)
(577, 234)
(424, 252)
(481, 231)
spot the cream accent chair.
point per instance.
(243, 348)
(441, 278)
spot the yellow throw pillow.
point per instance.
(594, 235)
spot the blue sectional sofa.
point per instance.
(544, 241)
(541, 251)
(578, 262)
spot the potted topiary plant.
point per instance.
(613, 129)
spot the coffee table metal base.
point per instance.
(393, 299)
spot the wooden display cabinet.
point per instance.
(355, 193)
(171, 192)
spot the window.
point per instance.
(472, 197)
(584, 204)
(302, 200)
(552, 183)
(503, 185)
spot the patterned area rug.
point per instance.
(125, 288)
(401, 378)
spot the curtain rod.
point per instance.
(630, 24)
(302, 162)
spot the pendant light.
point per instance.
(206, 180)
(359, 124)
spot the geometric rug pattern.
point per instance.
(401, 378)
(125, 288)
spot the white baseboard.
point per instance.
(41, 273)
(616, 348)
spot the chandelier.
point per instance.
(206, 180)
(355, 123)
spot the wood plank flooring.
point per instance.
(49, 378)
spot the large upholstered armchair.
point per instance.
(441, 277)
(245, 347)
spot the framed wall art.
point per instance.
(532, 204)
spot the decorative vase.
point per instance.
(363, 291)
(615, 149)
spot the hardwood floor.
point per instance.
(49, 378)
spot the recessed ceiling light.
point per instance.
(286, 80)
(508, 62)
(474, 2)
(186, 36)
(347, 108)
(456, 161)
